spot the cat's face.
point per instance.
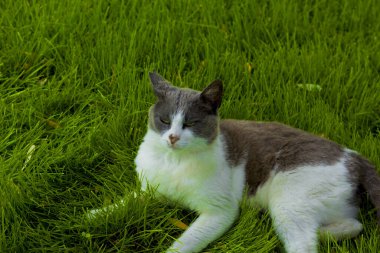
(184, 118)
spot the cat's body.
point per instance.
(307, 183)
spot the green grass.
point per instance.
(74, 83)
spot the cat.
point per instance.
(308, 184)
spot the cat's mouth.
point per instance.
(173, 146)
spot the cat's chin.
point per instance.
(191, 148)
(173, 147)
(176, 147)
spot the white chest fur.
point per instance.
(201, 181)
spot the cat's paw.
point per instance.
(94, 213)
(172, 250)
(178, 247)
(102, 212)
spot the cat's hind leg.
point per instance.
(343, 229)
(303, 199)
(296, 228)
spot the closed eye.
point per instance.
(165, 121)
(189, 123)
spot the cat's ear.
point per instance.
(212, 94)
(160, 85)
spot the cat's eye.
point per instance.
(189, 124)
(165, 121)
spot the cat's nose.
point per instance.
(173, 139)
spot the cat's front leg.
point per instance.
(208, 227)
(108, 210)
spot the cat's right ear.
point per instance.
(160, 85)
(213, 94)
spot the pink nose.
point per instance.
(173, 139)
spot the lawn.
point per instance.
(74, 96)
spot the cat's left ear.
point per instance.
(213, 94)
(160, 85)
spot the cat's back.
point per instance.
(254, 130)
(263, 146)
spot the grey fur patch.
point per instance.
(274, 146)
(364, 176)
(199, 108)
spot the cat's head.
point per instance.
(185, 118)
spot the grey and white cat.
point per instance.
(307, 183)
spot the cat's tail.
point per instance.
(370, 180)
